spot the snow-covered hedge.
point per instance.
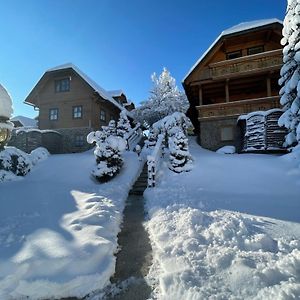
(14, 162)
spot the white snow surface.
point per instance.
(58, 228)
(6, 109)
(234, 29)
(229, 229)
(226, 150)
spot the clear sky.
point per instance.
(118, 43)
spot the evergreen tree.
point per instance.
(165, 98)
(110, 129)
(123, 126)
(108, 158)
(290, 74)
(180, 158)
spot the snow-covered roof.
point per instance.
(115, 93)
(26, 122)
(244, 26)
(102, 92)
(6, 109)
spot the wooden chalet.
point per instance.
(237, 75)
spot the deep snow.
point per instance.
(229, 229)
(58, 228)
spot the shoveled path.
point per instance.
(135, 257)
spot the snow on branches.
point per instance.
(109, 148)
(180, 158)
(290, 74)
(123, 126)
(165, 98)
(175, 128)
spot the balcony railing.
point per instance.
(247, 64)
(236, 108)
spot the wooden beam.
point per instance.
(200, 95)
(227, 90)
(269, 88)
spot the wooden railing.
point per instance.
(153, 160)
(133, 136)
(236, 108)
(246, 64)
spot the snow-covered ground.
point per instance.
(58, 228)
(229, 229)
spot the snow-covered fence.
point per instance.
(153, 160)
(133, 136)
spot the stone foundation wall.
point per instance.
(74, 139)
(215, 134)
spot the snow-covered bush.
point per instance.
(165, 99)
(152, 138)
(108, 158)
(123, 125)
(39, 154)
(15, 161)
(290, 74)
(110, 129)
(180, 158)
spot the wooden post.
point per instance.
(227, 90)
(269, 89)
(200, 95)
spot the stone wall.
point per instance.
(215, 134)
(74, 139)
(28, 140)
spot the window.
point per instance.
(234, 54)
(53, 114)
(226, 134)
(62, 85)
(255, 50)
(79, 140)
(102, 115)
(77, 112)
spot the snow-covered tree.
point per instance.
(123, 125)
(180, 158)
(290, 74)
(152, 138)
(108, 158)
(110, 129)
(165, 98)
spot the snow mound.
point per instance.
(5, 103)
(226, 150)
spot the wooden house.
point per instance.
(72, 104)
(238, 74)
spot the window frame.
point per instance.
(73, 112)
(60, 87)
(50, 114)
(223, 134)
(233, 52)
(102, 115)
(256, 47)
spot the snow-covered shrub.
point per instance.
(39, 154)
(123, 125)
(96, 137)
(180, 158)
(110, 129)
(152, 138)
(165, 99)
(290, 74)
(15, 161)
(108, 158)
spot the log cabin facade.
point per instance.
(238, 74)
(72, 104)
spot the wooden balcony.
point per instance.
(236, 108)
(265, 61)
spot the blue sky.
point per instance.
(117, 43)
